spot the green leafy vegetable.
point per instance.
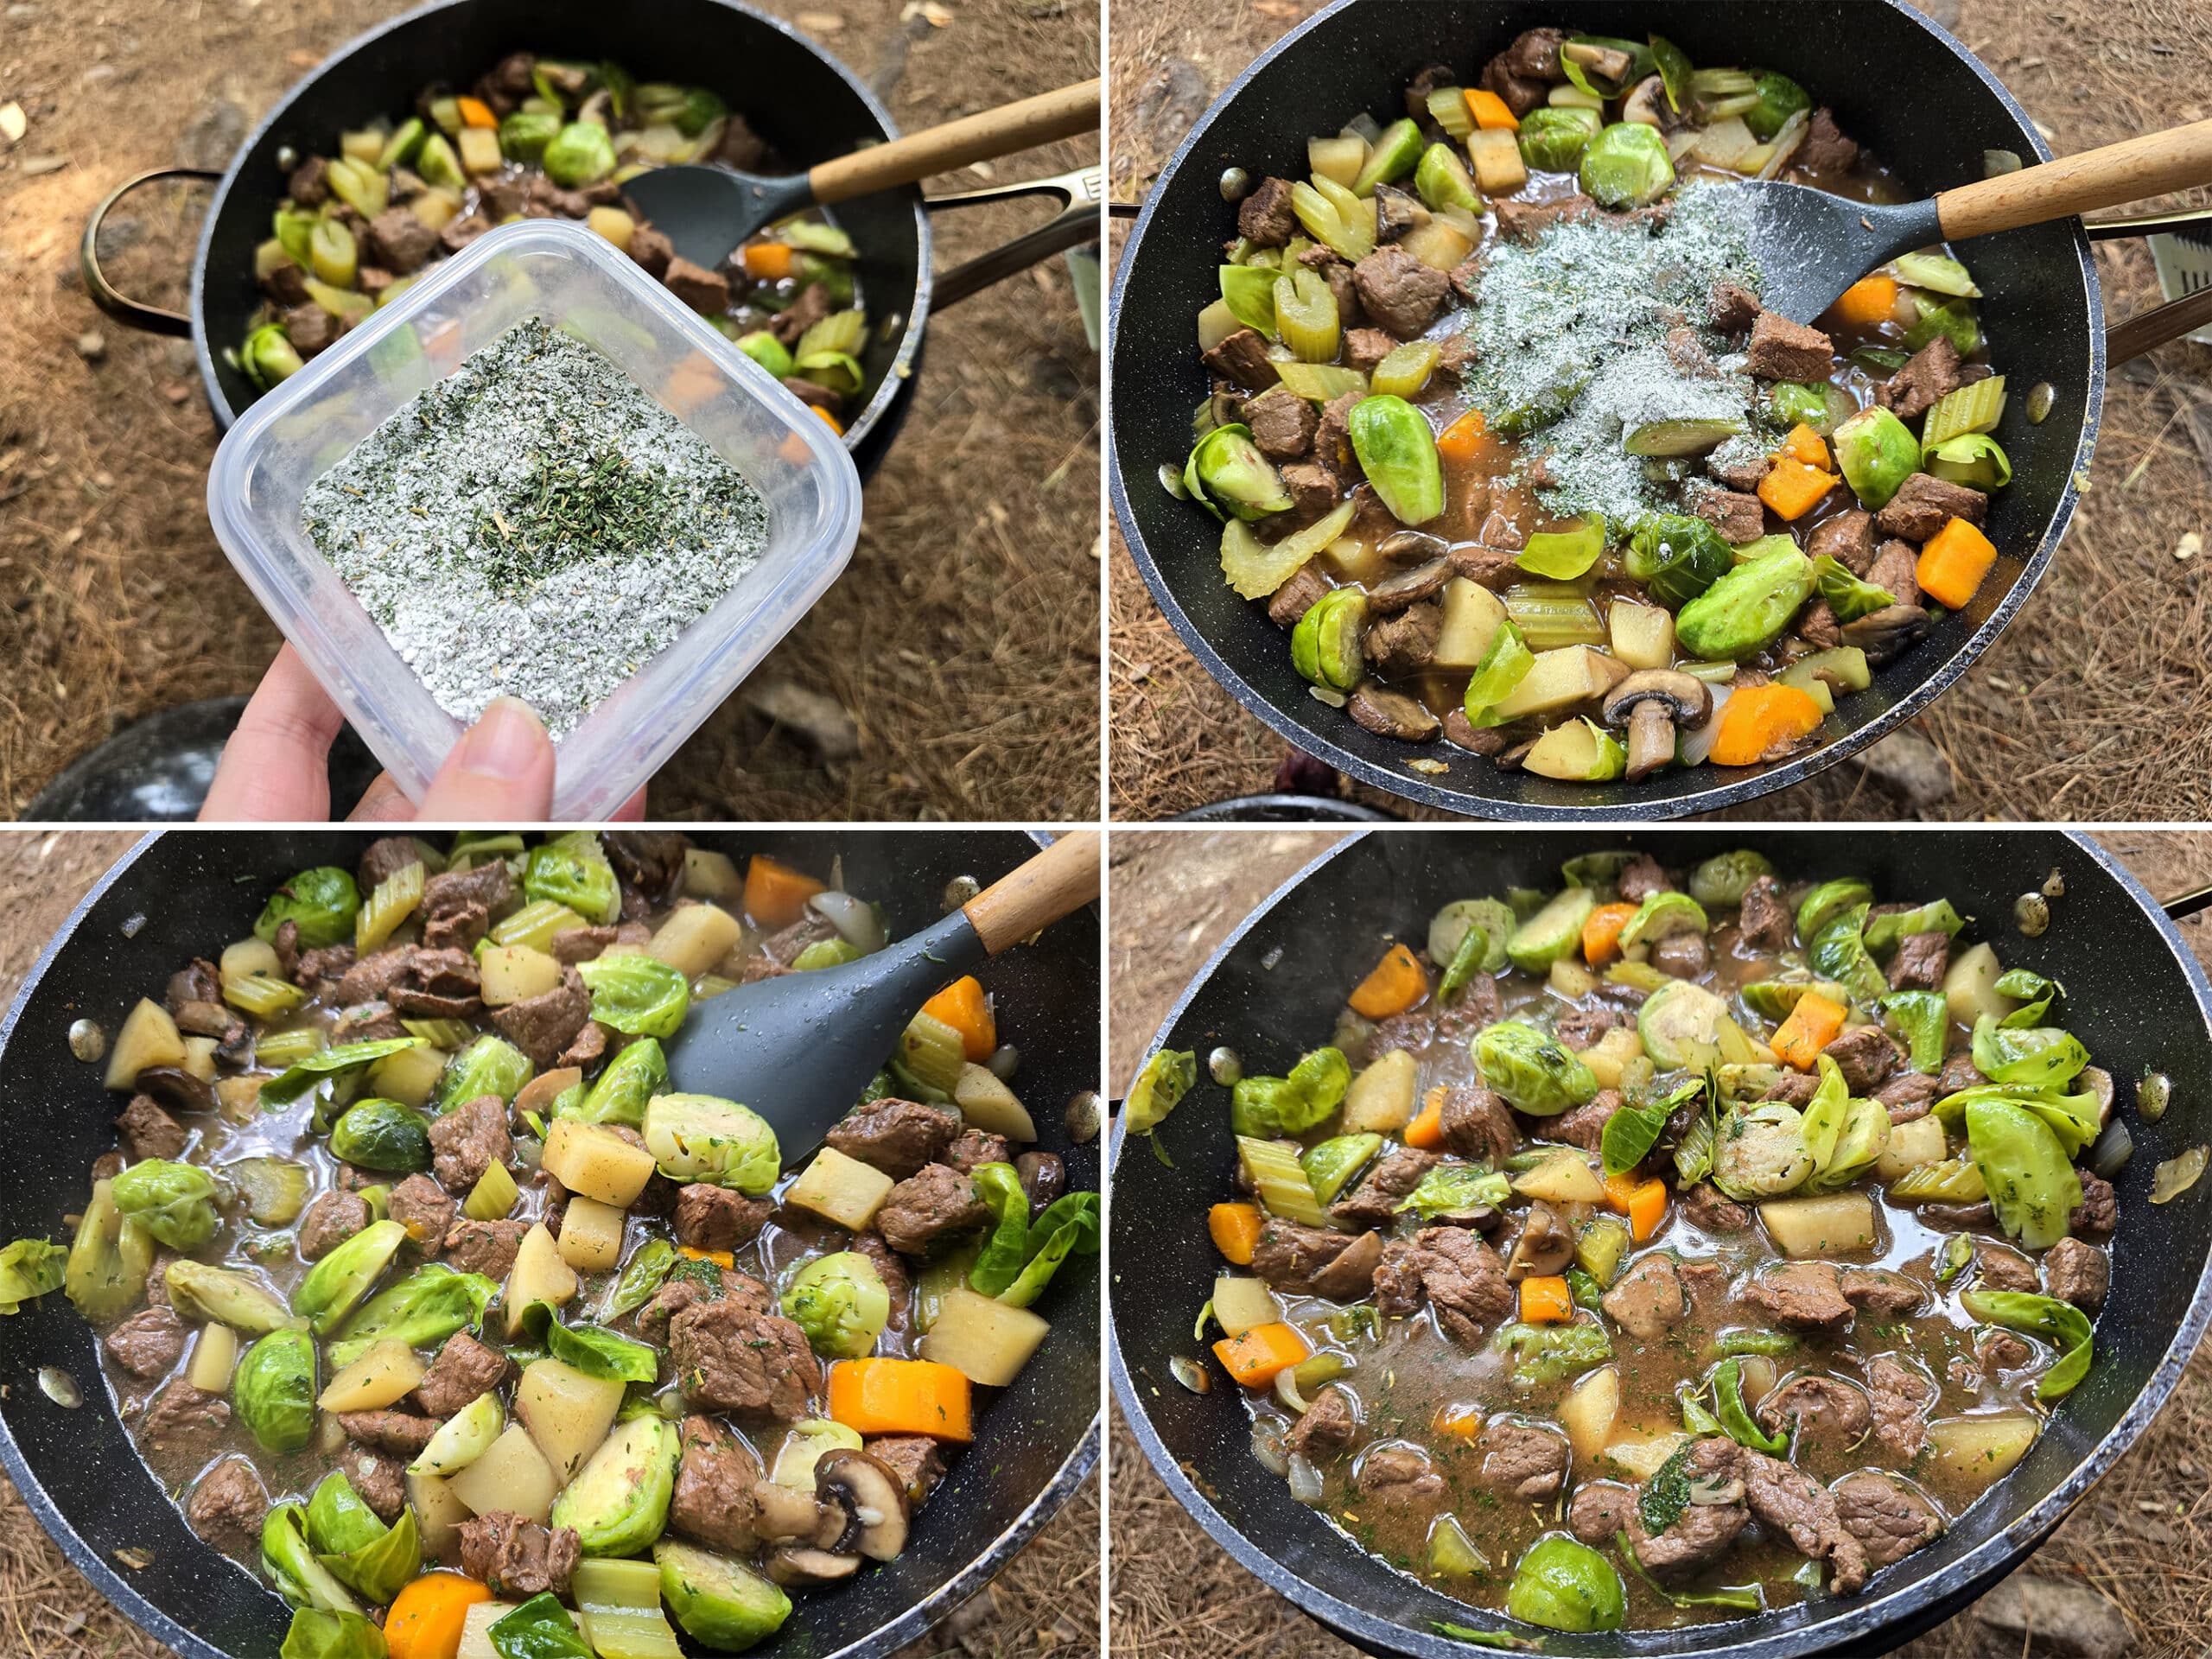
(1275, 1106)
(30, 1267)
(1735, 1417)
(323, 901)
(643, 996)
(1463, 1190)
(2039, 1056)
(1165, 1078)
(2060, 1323)
(1922, 1018)
(2032, 1184)
(539, 1628)
(174, 1203)
(421, 1311)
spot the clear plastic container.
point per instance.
(576, 280)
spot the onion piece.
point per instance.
(1287, 1390)
(2176, 1175)
(2113, 1148)
(856, 923)
(1785, 144)
(1268, 1447)
(1305, 1480)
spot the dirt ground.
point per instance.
(1044, 1604)
(963, 640)
(2142, 1539)
(2093, 705)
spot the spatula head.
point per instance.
(800, 1048)
(1811, 245)
(707, 211)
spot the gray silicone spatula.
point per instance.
(1812, 245)
(705, 212)
(799, 1048)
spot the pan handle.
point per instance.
(2186, 905)
(135, 313)
(2148, 329)
(1079, 193)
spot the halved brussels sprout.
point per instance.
(581, 153)
(1724, 878)
(840, 1302)
(335, 1285)
(618, 1502)
(1562, 1585)
(174, 1203)
(1676, 556)
(701, 1138)
(208, 1295)
(1531, 1069)
(1553, 136)
(1877, 453)
(717, 1601)
(383, 1136)
(1626, 165)
(273, 1389)
(1748, 608)
(323, 901)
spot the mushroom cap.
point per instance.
(786, 1512)
(794, 1564)
(1687, 698)
(873, 1497)
(176, 1088)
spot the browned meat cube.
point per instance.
(464, 1368)
(543, 1025)
(1928, 375)
(328, 1222)
(732, 1356)
(1765, 922)
(228, 1506)
(469, 1139)
(400, 242)
(1282, 424)
(310, 182)
(2074, 1272)
(1847, 537)
(1298, 595)
(1313, 489)
(148, 1343)
(150, 1132)
(516, 1558)
(717, 1217)
(1524, 221)
(1920, 961)
(1737, 516)
(310, 328)
(935, 1202)
(1398, 291)
(1405, 644)
(898, 1137)
(1895, 571)
(1365, 347)
(485, 1247)
(1783, 350)
(705, 291)
(651, 249)
(1803, 1295)
(425, 1210)
(1266, 216)
(1733, 308)
(1824, 148)
(1924, 503)
(1242, 358)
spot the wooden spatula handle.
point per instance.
(1061, 879)
(2149, 166)
(1034, 121)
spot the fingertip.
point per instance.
(502, 768)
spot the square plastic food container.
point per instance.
(578, 282)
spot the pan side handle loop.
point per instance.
(137, 313)
(1080, 194)
(2148, 330)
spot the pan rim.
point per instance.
(104, 1577)
(897, 378)
(1995, 1557)
(1755, 783)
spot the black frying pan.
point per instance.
(1896, 82)
(2134, 991)
(797, 97)
(191, 890)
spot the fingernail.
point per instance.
(505, 744)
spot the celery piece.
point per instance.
(1255, 569)
(1404, 372)
(1976, 408)
(1279, 1182)
(394, 901)
(1974, 459)
(1551, 615)
(1935, 271)
(1305, 309)
(1322, 382)
(1564, 555)
(1448, 107)
(1249, 291)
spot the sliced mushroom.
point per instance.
(873, 1500)
(1882, 634)
(1227, 406)
(1352, 1275)
(1409, 587)
(1606, 62)
(786, 1513)
(174, 1090)
(1411, 546)
(599, 108)
(795, 1565)
(1647, 105)
(1651, 703)
(1392, 714)
(1545, 1247)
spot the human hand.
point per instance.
(276, 767)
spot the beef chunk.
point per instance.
(1700, 1535)
(733, 1355)
(1901, 1397)
(1896, 571)
(285, 283)
(1765, 922)
(718, 1217)
(1793, 1088)
(1924, 503)
(150, 1132)
(1997, 1268)
(309, 186)
(1316, 1262)
(1301, 592)
(705, 291)
(1522, 93)
(1738, 467)
(1907, 1095)
(485, 1247)
(714, 1500)
(428, 984)
(2099, 1211)
(1737, 516)
(1998, 1351)
(1928, 375)
(1456, 1272)
(1824, 148)
(1819, 627)
(489, 884)
(1888, 1519)
(228, 1506)
(1282, 424)
(1782, 350)
(469, 1139)
(458, 929)
(460, 232)
(1266, 216)
(1398, 291)
(543, 1025)
(592, 1042)
(1583, 1126)
(1327, 1428)
(891, 1267)
(366, 1022)
(516, 1558)
(653, 251)
(151, 1340)
(321, 971)
(1479, 1125)
(2073, 1272)
(1787, 1499)
(464, 1368)
(329, 1221)
(1643, 876)
(1865, 1056)
(1404, 644)
(1825, 1410)
(1649, 1299)
(1242, 358)
(1398, 1473)
(976, 1147)
(401, 1434)
(915, 1458)
(400, 242)
(1920, 961)
(791, 324)
(898, 1137)
(1365, 347)
(1959, 1073)
(1709, 1209)
(581, 943)
(1333, 442)
(744, 149)
(1803, 1295)
(182, 1428)
(1524, 221)
(1393, 1175)
(379, 1482)
(1313, 491)
(1392, 714)
(936, 1203)
(425, 1210)
(1733, 309)
(1847, 537)
(1526, 1461)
